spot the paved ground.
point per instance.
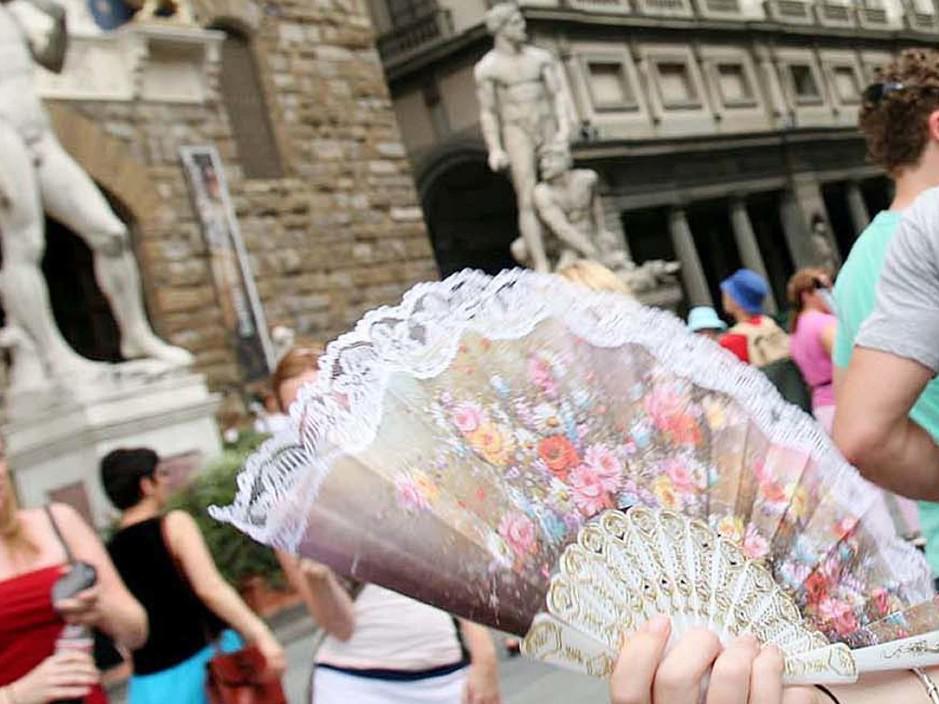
(523, 681)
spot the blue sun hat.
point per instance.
(705, 318)
(748, 289)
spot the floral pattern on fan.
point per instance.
(454, 447)
(565, 455)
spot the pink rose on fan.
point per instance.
(755, 545)
(682, 478)
(541, 375)
(671, 414)
(518, 531)
(467, 417)
(410, 496)
(839, 614)
(590, 494)
(607, 466)
(845, 527)
(881, 599)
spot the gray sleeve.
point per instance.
(905, 321)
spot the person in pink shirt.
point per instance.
(812, 338)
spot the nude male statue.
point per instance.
(524, 107)
(36, 175)
(568, 202)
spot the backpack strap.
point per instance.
(58, 534)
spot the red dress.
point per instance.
(29, 626)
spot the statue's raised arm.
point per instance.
(50, 47)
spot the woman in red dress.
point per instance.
(32, 557)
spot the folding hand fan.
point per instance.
(563, 464)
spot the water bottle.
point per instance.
(80, 577)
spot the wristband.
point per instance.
(827, 692)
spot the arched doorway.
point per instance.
(471, 215)
(81, 311)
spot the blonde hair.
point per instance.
(594, 276)
(11, 527)
(299, 359)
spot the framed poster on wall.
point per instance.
(231, 270)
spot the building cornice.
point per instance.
(445, 50)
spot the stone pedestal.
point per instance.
(54, 450)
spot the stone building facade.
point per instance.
(724, 131)
(292, 95)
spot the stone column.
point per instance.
(860, 218)
(692, 273)
(748, 247)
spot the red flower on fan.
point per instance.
(670, 414)
(839, 615)
(816, 588)
(559, 454)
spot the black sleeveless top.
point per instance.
(180, 624)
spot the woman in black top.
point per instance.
(166, 565)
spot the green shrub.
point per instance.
(238, 557)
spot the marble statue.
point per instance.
(824, 253)
(37, 176)
(568, 202)
(523, 107)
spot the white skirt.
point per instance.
(332, 687)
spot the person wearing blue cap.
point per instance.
(704, 320)
(755, 338)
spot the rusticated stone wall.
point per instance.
(340, 232)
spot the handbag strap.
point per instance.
(58, 534)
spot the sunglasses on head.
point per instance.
(877, 92)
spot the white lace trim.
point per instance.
(341, 411)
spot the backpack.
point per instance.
(786, 377)
(766, 341)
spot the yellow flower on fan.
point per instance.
(799, 503)
(665, 492)
(714, 412)
(731, 527)
(491, 443)
(428, 488)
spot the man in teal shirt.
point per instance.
(900, 120)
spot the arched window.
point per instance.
(247, 109)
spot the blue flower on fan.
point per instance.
(627, 499)
(498, 383)
(554, 528)
(641, 433)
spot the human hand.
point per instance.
(69, 674)
(314, 570)
(741, 673)
(274, 657)
(83, 609)
(498, 160)
(482, 684)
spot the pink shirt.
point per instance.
(809, 353)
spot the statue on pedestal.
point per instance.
(37, 176)
(524, 106)
(528, 122)
(568, 202)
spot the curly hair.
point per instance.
(895, 126)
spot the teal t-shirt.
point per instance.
(855, 296)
